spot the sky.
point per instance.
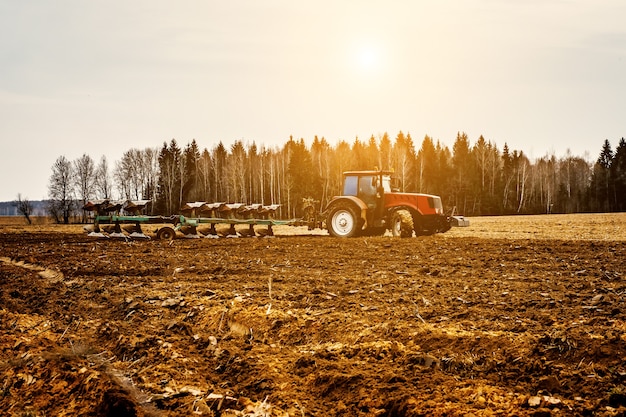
(99, 78)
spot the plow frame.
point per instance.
(180, 222)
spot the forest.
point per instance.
(474, 179)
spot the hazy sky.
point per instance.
(102, 77)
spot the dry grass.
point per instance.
(21, 221)
(18, 224)
(604, 226)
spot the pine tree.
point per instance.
(602, 178)
(219, 155)
(372, 154)
(358, 160)
(252, 168)
(427, 167)
(236, 171)
(205, 168)
(618, 173)
(462, 180)
(299, 172)
(507, 180)
(190, 179)
(169, 178)
(494, 166)
(320, 155)
(385, 152)
(445, 174)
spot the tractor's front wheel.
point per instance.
(401, 223)
(342, 221)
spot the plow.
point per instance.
(371, 204)
(118, 219)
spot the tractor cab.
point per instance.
(370, 188)
(365, 187)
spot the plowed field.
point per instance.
(511, 316)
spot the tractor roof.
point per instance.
(354, 173)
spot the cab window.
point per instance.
(367, 187)
(350, 186)
(387, 183)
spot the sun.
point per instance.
(368, 59)
(366, 62)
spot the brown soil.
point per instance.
(511, 316)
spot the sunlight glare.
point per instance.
(368, 59)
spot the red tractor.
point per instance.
(371, 204)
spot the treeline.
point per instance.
(476, 179)
(12, 208)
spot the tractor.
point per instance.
(371, 204)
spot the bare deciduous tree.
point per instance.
(24, 207)
(84, 179)
(61, 190)
(151, 175)
(103, 179)
(136, 175)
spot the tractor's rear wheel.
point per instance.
(166, 233)
(342, 221)
(401, 223)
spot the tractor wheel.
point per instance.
(342, 221)
(166, 233)
(401, 223)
